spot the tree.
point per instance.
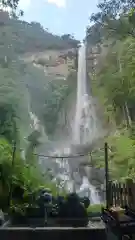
(113, 82)
(117, 89)
(55, 96)
(28, 177)
(122, 157)
(12, 5)
(69, 38)
(8, 122)
(115, 18)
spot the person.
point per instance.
(44, 202)
(86, 202)
(60, 200)
(72, 212)
(56, 206)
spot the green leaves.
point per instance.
(123, 156)
(115, 18)
(55, 95)
(116, 76)
(27, 177)
(10, 3)
(114, 85)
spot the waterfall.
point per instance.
(35, 121)
(88, 189)
(81, 91)
(86, 124)
(85, 129)
(36, 124)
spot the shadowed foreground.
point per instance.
(52, 233)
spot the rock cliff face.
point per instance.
(56, 66)
(55, 63)
(65, 122)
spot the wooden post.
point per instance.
(106, 174)
(133, 196)
(12, 169)
(110, 194)
(13, 162)
(130, 191)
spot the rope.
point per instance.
(69, 156)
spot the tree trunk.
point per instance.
(126, 110)
(127, 115)
(124, 116)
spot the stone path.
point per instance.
(96, 224)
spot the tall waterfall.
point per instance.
(86, 124)
(85, 130)
(81, 91)
(86, 127)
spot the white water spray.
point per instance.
(88, 190)
(86, 124)
(86, 127)
(35, 121)
(85, 131)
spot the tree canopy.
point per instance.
(113, 31)
(114, 19)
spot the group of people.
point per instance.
(70, 211)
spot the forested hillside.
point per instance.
(112, 43)
(21, 82)
(31, 37)
(25, 88)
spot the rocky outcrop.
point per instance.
(55, 63)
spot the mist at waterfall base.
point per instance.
(85, 131)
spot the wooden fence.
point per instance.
(121, 194)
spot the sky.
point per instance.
(60, 16)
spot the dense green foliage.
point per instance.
(25, 88)
(22, 85)
(114, 19)
(12, 5)
(53, 105)
(113, 81)
(23, 37)
(25, 176)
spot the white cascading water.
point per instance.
(36, 124)
(85, 125)
(81, 92)
(85, 131)
(89, 190)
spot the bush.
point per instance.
(26, 178)
(96, 208)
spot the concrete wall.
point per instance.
(52, 233)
